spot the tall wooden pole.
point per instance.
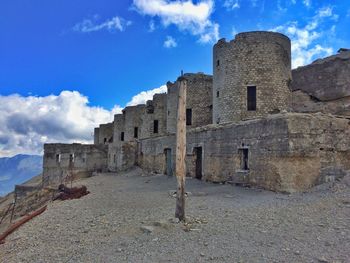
(181, 150)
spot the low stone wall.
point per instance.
(63, 161)
(284, 152)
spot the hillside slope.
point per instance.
(18, 169)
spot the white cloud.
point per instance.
(186, 15)
(26, 123)
(170, 42)
(210, 36)
(280, 7)
(144, 96)
(91, 25)
(307, 3)
(4, 179)
(232, 4)
(304, 46)
(326, 11)
(152, 26)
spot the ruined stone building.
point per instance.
(255, 121)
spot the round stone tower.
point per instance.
(252, 74)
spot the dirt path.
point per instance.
(232, 225)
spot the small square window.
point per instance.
(218, 63)
(217, 94)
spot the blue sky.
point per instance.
(88, 58)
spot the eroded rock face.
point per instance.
(325, 79)
(302, 102)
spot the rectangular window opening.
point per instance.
(58, 158)
(245, 159)
(251, 98)
(122, 136)
(155, 126)
(188, 116)
(136, 132)
(217, 94)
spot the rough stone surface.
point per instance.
(104, 134)
(198, 99)
(286, 152)
(303, 102)
(261, 59)
(156, 110)
(63, 161)
(133, 119)
(325, 79)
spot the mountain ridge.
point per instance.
(18, 169)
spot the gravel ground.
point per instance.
(129, 218)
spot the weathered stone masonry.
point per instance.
(286, 152)
(78, 160)
(249, 123)
(255, 59)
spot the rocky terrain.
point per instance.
(129, 218)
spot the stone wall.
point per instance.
(104, 134)
(199, 100)
(119, 128)
(260, 59)
(156, 110)
(323, 86)
(286, 152)
(122, 156)
(133, 119)
(96, 135)
(64, 160)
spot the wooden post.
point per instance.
(181, 150)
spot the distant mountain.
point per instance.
(18, 169)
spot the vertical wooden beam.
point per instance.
(181, 150)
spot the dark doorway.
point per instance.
(168, 162)
(136, 132)
(198, 152)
